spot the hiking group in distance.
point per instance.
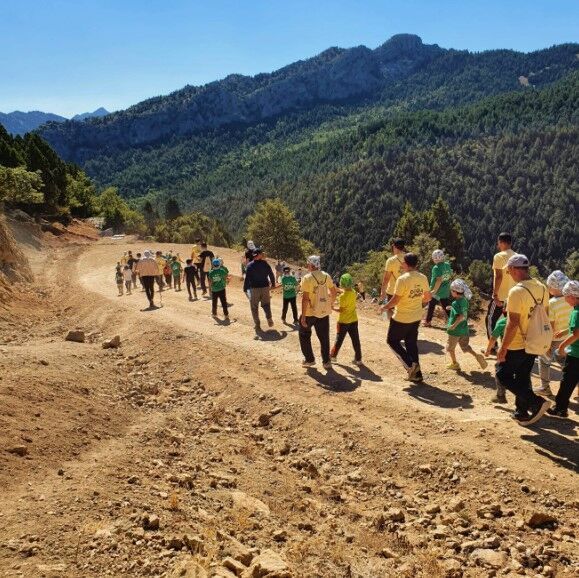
(528, 319)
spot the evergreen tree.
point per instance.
(409, 225)
(151, 216)
(445, 228)
(172, 209)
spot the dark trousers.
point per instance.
(493, 313)
(322, 327)
(407, 332)
(568, 382)
(287, 301)
(203, 281)
(350, 329)
(190, 282)
(160, 282)
(168, 279)
(515, 374)
(149, 285)
(443, 302)
(219, 295)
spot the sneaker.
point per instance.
(308, 363)
(543, 390)
(257, 328)
(270, 322)
(453, 366)
(536, 413)
(215, 316)
(327, 365)
(520, 415)
(412, 370)
(499, 399)
(482, 361)
(417, 377)
(358, 362)
(554, 412)
(226, 316)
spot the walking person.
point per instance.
(498, 333)
(119, 278)
(218, 278)
(347, 321)
(439, 286)
(289, 285)
(160, 260)
(148, 271)
(411, 293)
(128, 278)
(559, 313)
(205, 265)
(318, 295)
(131, 261)
(392, 271)
(135, 274)
(514, 364)
(457, 326)
(190, 273)
(502, 280)
(278, 271)
(569, 349)
(177, 272)
(259, 281)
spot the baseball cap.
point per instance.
(518, 260)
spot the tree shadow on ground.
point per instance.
(430, 347)
(270, 335)
(432, 395)
(363, 372)
(333, 381)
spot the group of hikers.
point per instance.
(525, 318)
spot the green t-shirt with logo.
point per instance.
(218, 278)
(176, 268)
(458, 307)
(443, 270)
(289, 285)
(573, 349)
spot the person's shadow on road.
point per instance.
(432, 395)
(270, 335)
(362, 372)
(333, 381)
(430, 347)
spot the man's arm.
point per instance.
(436, 286)
(569, 341)
(246, 286)
(271, 275)
(305, 303)
(426, 297)
(392, 303)
(497, 280)
(513, 321)
(385, 281)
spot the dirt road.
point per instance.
(191, 411)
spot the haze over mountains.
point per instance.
(329, 134)
(19, 123)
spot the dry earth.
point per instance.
(196, 449)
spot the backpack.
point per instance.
(321, 305)
(539, 331)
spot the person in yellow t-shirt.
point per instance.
(502, 281)
(514, 364)
(411, 293)
(161, 262)
(348, 320)
(392, 270)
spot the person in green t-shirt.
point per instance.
(569, 348)
(498, 332)
(457, 327)
(177, 271)
(439, 286)
(289, 286)
(218, 278)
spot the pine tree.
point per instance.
(409, 224)
(172, 209)
(442, 226)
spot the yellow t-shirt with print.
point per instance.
(394, 267)
(314, 282)
(500, 262)
(410, 287)
(520, 301)
(347, 304)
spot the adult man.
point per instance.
(147, 269)
(502, 281)
(514, 364)
(392, 270)
(259, 280)
(205, 258)
(318, 295)
(411, 293)
(137, 259)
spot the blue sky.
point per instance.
(72, 56)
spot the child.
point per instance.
(119, 279)
(218, 279)
(457, 326)
(289, 286)
(439, 286)
(348, 319)
(128, 277)
(167, 271)
(559, 312)
(190, 272)
(177, 270)
(569, 348)
(498, 332)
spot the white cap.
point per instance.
(315, 261)
(557, 280)
(438, 256)
(251, 245)
(571, 289)
(461, 286)
(518, 260)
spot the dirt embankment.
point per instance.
(195, 449)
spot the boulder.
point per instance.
(268, 564)
(113, 343)
(18, 450)
(540, 519)
(188, 569)
(75, 335)
(489, 558)
(242, 501)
